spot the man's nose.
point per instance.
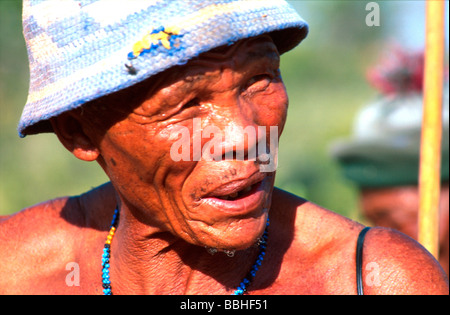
(243, 137)
(240, 141)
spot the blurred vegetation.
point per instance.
(324, 76)
(36, 168)
(325, 80)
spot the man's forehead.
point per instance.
(206, 66)
(234, 56)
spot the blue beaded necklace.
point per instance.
(240, 290)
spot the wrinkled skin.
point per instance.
(169, 211)
(235, 89)
(397, 208)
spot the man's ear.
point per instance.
(70, 133)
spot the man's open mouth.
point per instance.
(241, 193)
(243, 196)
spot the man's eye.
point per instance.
(258, 83)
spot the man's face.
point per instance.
(218, 203)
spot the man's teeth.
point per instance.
(236, 194)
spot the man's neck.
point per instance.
(146, 260)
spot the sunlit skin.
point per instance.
(170, 211)
(235, 89)
(397, 208)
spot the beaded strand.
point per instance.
(240, 290)
(107, 254)
(262, 245)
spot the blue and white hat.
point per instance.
(81, 50)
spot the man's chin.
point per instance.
(238, 234)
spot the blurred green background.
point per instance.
(325, 79)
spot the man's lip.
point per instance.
(250, 202)
(236, 186)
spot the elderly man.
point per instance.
(120, 83)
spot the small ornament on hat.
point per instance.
(165, 37)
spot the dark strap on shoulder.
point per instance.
(359, 256)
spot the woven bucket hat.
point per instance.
(81, 50)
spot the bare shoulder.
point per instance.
(313, 226)
(319, 255)
(27, 241)
(317, 247)
(393, 263)
(37, 243)
(33, 222)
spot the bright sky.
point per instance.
(411, 24)
(408, 26)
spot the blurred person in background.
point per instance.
(382, 157)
